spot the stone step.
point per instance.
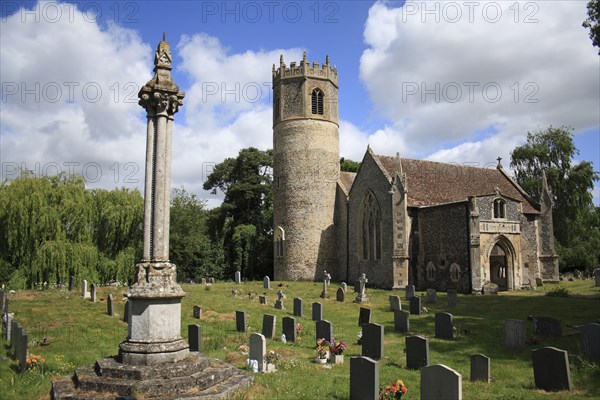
(111, 368)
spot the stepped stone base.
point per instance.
(196, 377)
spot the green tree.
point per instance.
(593, 22)
(553, 151)
(349, 165)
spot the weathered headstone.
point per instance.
(197, 312)
(410, 291)
(401, 323)
(395, 303)
(439, 382)
(431, 296)
(126, 311)
(241, 321)
(364, 316)
(480, 368)
(361, 297)
(372, 341)
(268, 326)
(22, 356)
(324, 330)
(238, 277)
(110, 307)
(417, 352)
(298, 308)
(344, 286)
(317, 311)
(266, 283)
(547, 326)
(262, 299)
(443, 326)
(340, 294)
(514, 333)
(93, 292)
(492, 288)
(590, 341)
(415, 305)
(84, 291)
(289, 328)
(258, 349)
(452, 298)
(326, 281)
(71, 282)
(8, 317)
(195, 337)
(279, 304)
(551, 369)
(364, 378)
(203, 281)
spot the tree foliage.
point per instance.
(349, 165)
(592, 22)
(553, 151)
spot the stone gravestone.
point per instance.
(324, 330)
(266, 283)
(480, 368)
(258, 349)
(372, 341)
(431, 296)
(126, 311)
(551, 369)
(410, 291)
(298, 309)
(268, 326)
(326, 281)
(364, 316)
(1, 300)
(452, 298)
(203, 281)
(417, 352)
(547, 326)
(514, 333)
(289, 328)
(71, 282)
(9, 319)
(395, 303)
(84, 291)
(262, 299)
(438, 382)
(279, 304)
(364, 379)
(93, 292)
(340, 294)
(317, 311)
(443, 326)
(238, 277)
(361, 297)
(197, 312)
(241, 321)
(110, 307)
(590, 341)
(401, 321)
(344, 286)
(415, 305)
(6, 303)
(195, 337)
(597, 277)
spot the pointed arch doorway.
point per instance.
(501, 260)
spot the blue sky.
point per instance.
(451, 81)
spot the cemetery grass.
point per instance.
(81, 332)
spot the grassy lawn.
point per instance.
(80, 332)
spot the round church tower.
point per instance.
(306, 169)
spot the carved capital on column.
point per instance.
(157, 103)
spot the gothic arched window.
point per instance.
(455, 272)
(370, 229)
(317, 101)
(499, 208)
(430, 269)
(279, 238)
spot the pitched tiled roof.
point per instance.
(432, 183)
(346, 180)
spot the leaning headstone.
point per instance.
(439, 382)
(340, 294)
(289, 328)
(241, 321)
(431, 296)
(514, 333)
(266, 283)
(597, 277)
(262, 299)
(364, 316)
(443, 326)
(268, 326)
(415, 305)
(344, 286)
(324, 330)
(547, 326)
(84, 291)
(410, 291)
(298, 309)
(258, 349)
(590, 341)
(401, 323)
(452, 298)
(364, 379)
(372, 341)
(110, 307)
(71, 282)
(395, 304)
(480, 368)
(551, 369)
(126, 311)
(197, 312)
(238, 277)
(317, 311)
(417, 352)
(195, 337)
(93, 292)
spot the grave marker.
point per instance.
(268, 326)
(324, 330)
(410, 291)
(372, 341)
(480, 368)
(262, 299)
(395, 303)
(551, 369)
(361, 297)
(93, 292)
(514, 333)
(110, 307)
(317, 311)
(439, 382)
(84, 292)
(590, 341)
(431, 296)
(266, 283)
(401, 323)
(238, 277)
(417, 352)
(443, 326)
(364, 316)
(452, 298)
(195, 337)
(415, 305)
(289, 328)
(197, 312)
(258, 349)
(298, 309)
(547, 326)
(340, 294)
(71, 282)
(364, 379)
(344, 286)
(241, 321)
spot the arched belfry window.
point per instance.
(317, 102)
(370, 231)
(499, 208)
(279, 239)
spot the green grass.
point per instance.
(81, 332)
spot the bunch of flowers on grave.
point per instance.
(244, 349)
(322, 348)
(393, 392)
(34, 361)
(337, 347)
(272, 357)
(298, 328)
(359, 336)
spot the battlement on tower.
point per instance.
(305, 69)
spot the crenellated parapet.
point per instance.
(305, 69)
